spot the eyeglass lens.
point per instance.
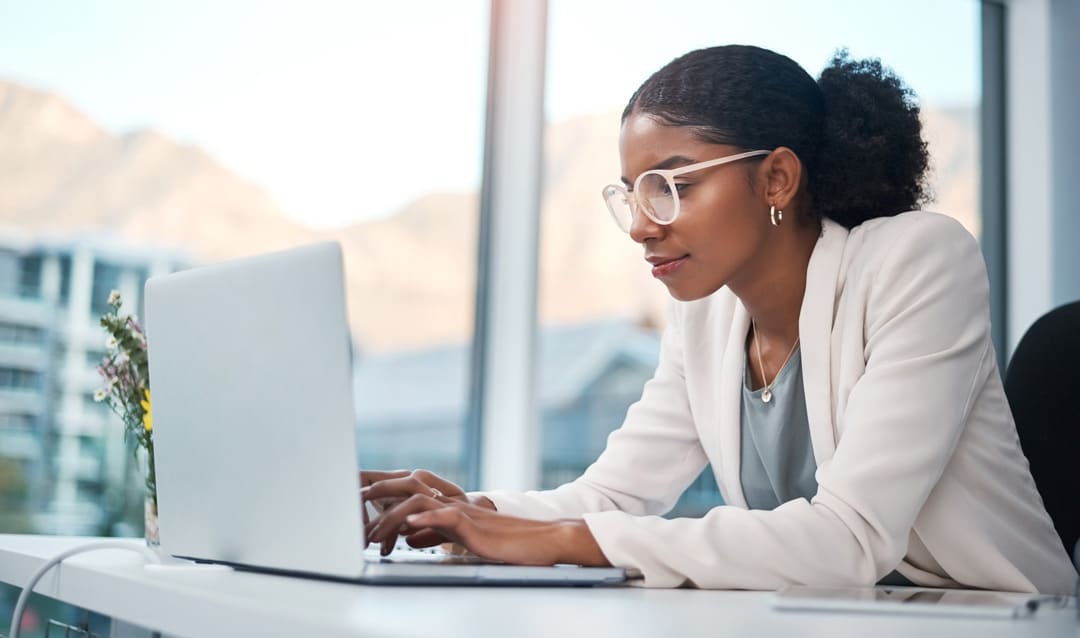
(654, 193)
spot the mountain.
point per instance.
(59, 171)
(410, 276)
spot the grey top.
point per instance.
(777, 456)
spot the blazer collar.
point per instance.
(732, 364)
(815, 336)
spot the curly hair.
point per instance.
(856, 129)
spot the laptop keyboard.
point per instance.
(404, 553)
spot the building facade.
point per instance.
(67, 450)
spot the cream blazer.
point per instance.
(919, 467)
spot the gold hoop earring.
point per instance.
(776, 215)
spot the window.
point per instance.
(30, 276)
(95, 357)
(222, 130)
(17, 421)
(18, 335)
(91, 447)
(106, 280)
(15, 499)
(592, 279)
(65, 279)
(19, 380)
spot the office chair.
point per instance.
(1043, 386)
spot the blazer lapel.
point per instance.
(732, 365)
(815, 335)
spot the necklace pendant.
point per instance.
(766, 396)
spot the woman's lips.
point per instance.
(666, 268)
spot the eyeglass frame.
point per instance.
(669, 176)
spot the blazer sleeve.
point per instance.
(927, 349)
(648, 462)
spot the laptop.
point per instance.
(254, 438)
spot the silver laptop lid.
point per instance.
(250, 372)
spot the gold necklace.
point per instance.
(766, 395)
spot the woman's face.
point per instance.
(722, 224)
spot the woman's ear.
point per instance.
(783, 172)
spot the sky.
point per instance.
(346, 110)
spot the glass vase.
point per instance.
(150, 520)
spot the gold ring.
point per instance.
(436, 493)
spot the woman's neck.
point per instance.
(772, 290)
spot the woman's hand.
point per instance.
(386, 490)
(427, 520)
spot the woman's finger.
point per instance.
(415, 482)
(451, 522)
(429, 537)
(424, 538)
(391, 522)
(491, 535)
(373, 508)
(367, 477)
(431, 479)
(387, 545)
(400, 487)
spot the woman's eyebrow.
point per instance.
(671, 162)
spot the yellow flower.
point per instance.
(147, 420)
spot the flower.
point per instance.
(148, 421)
(125, 371)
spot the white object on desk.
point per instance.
(914, 600)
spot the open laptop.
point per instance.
(255, 450)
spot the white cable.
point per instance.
(16, 617)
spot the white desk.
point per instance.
(228, 603)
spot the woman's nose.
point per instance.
(641, 227)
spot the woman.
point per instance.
(828, 354)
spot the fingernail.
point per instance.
(412, 518)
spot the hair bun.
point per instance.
(872, 160)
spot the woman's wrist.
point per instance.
(576, 545)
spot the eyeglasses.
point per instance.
(656, 194)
